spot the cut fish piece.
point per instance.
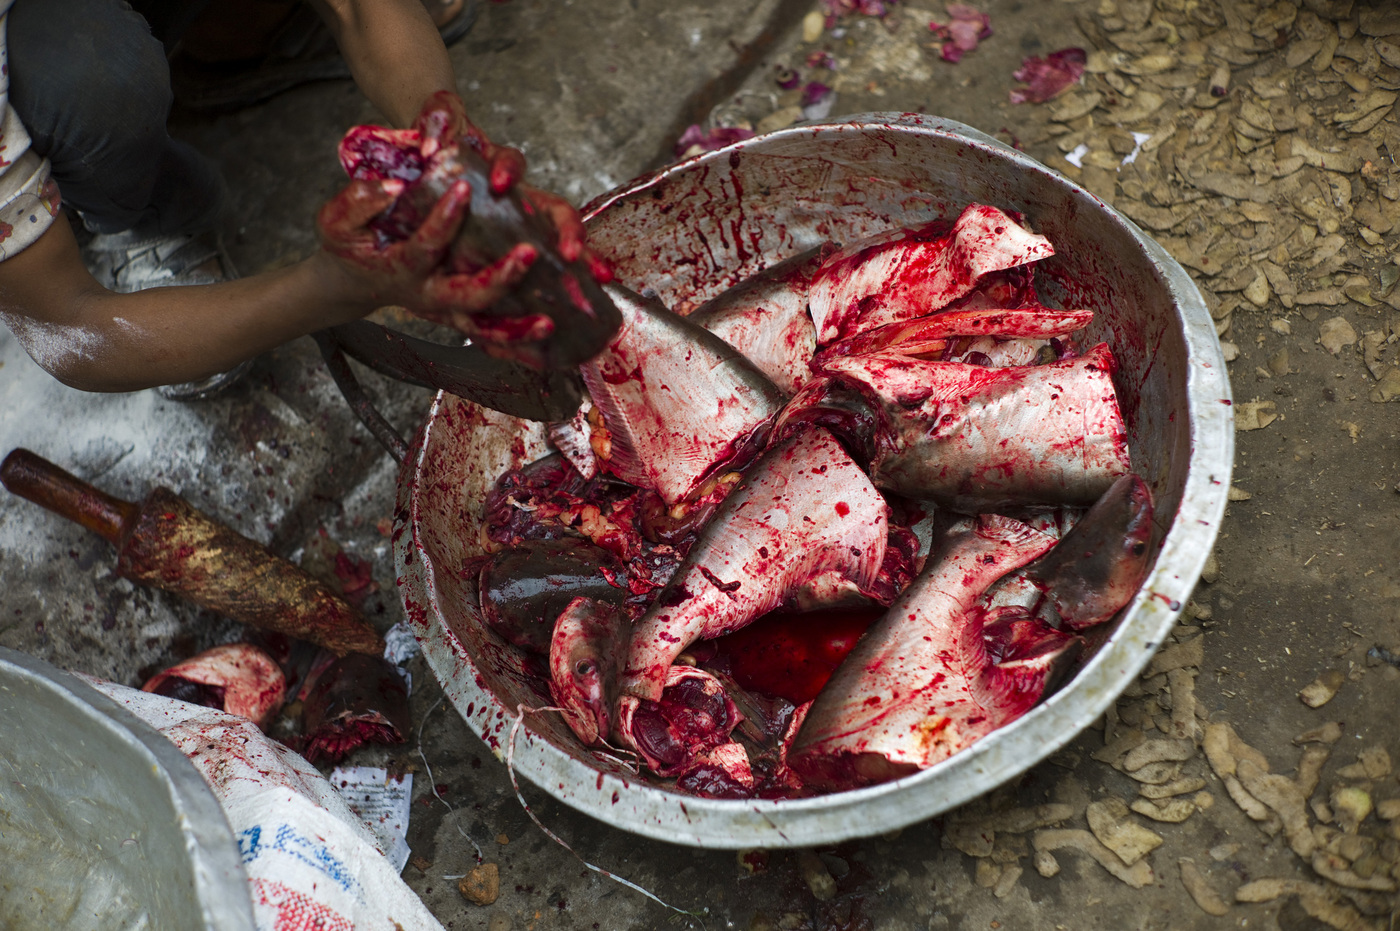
(913, 272)
(802, 510)
(692, 715)
(765, 318)
(920, 685)
(971, 437)
(679, 404)
(931, 333)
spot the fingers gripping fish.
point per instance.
(802, 510)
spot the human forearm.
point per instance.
(394, 52)
(123, 342)
(93, 339)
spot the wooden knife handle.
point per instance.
(34, 477)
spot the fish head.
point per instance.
(588, 642)
(695, 715)
(1099, 565)
(588, 692)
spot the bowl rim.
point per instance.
(990, 761)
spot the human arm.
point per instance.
(394, 52)
(399, 62)
(96, 340)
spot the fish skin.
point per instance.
(523, 589)
(802, 510)
(679, 403)
(1098, 566)
(910, 273)
(765, 317)
(975, 438)
(919, 686)
(589, 640)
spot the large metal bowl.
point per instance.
(693, 229)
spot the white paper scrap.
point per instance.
(1138, 140)
(381, 802)
(400, 645)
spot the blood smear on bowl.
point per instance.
(698, 227)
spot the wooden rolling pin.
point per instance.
(166, 543)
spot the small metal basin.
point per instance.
(697, 227)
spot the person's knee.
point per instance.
(86, 75)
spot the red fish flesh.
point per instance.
(590, 639)
(790, 655)
(548, 500)
(355, 700)
(691, 717)
(765, 318)
(237, 677)
(921, 685)
(971, 437)
(803, 510)
(913, 272)
(679, 404)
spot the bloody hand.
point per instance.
(444, 121)
(373, 153)
(409, 272)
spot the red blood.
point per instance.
(709, 781)
(792, 656)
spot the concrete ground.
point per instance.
(1265, 166)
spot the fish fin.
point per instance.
(1011, 532)
(986, 240)
(1101, 357)
(623, 460)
